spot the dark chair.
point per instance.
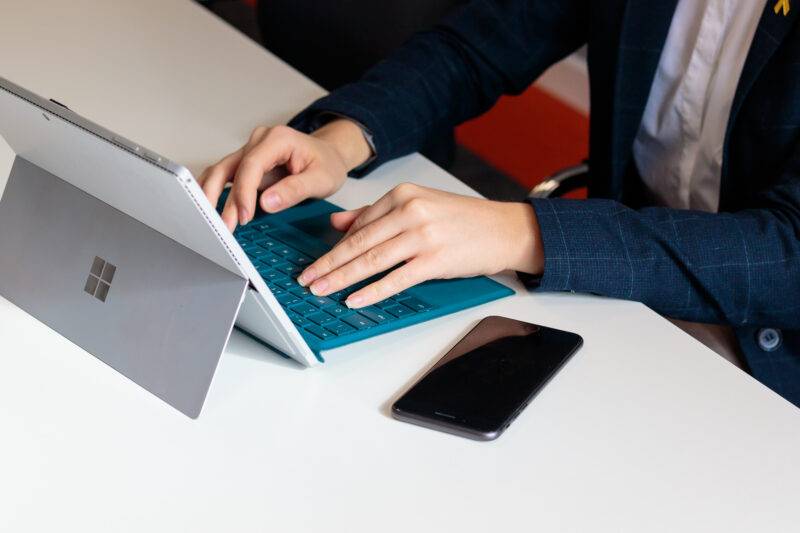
(562, 182)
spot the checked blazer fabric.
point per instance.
(740, 266)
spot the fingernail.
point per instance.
(318, 286)
(354, 301)
(272, 200)
(306, 277)
(243, 216)
(230, 224)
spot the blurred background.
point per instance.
(502, 154)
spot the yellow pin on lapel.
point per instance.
(782, 5)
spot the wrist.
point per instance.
(526, 253)
(347, 139)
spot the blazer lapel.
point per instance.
(644, 31)
(772, 29)
(770, 33)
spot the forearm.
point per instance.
(735, 268)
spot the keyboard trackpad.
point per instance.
(320, 228)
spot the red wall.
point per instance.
(529, 136)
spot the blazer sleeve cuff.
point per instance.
(555, 242)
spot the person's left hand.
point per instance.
(437, 234)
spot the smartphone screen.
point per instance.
(485, 380)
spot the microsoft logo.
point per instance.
(100, 277)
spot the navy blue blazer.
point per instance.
(740, 266)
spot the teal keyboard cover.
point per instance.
(283, 244)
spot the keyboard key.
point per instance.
(375, 314)
(266, 242)
(245, 235)
(337, 310)
(320, 318)
(281, 249)
(301, 291)
(386, 303)
(320, 301)
(264, 226)
(289, 269)
(297, 240)
(402, 295)
(287, 298)
(399, 310)
(340, 296)
(275, 289)
(271, 260)
(248, 246)
(299, 320)
(415, 304)
(255, 253)
(280, 263)
(319, 332)
(301, 260)
(304, 309)
(339, 328)
(269, 274)
(285, 283)
(358, 321)
(297, 258)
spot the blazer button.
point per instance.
(769, 339)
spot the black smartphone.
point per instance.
(488, 378)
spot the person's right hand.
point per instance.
(281, 167)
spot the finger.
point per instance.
(398, 280)
(351, 247)
(390, 200)
(226, 167)
(295, 188)
(342, 220)
(372, 213)
(229, 214)
(255, 164)
(374, 261)
(215, 177)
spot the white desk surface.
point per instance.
(645, 430)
